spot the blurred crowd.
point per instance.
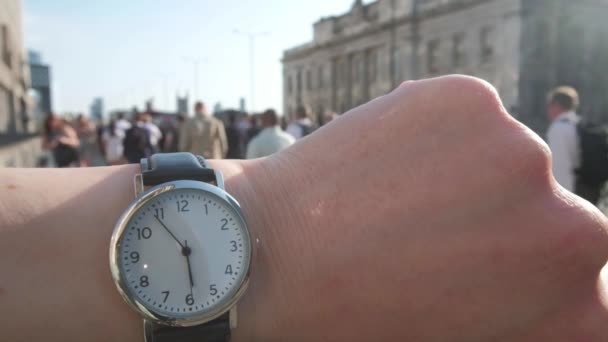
(128, 137)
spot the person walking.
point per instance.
(154, 133)
(204, 135)
(271, 139)
(122, 123)
(562, 136)
(302, 126)
(112, 140)
(136, 144)
(87, 133)
(233, 137)
(61, 139)
(254, 128)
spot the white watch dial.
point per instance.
(184, 252)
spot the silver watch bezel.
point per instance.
(120, 227)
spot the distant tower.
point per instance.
(40, 75)
(357, 3)
(150, 105)
(97, 109)
(182, 104)
(242, 106)
(217, 108)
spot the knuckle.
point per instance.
(476, 96)
(583, 233)
(532, 158)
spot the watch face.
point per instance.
(182, 253)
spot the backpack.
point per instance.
(593, 170)
(306, 129)
(136, 144)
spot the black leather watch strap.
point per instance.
(165, 167)
(217, 330)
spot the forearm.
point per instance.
(55, 280)
(53, 254)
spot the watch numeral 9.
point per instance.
(134, 257)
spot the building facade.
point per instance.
(371, 49)
(40, 74)
(14, 71)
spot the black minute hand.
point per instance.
(186, 252)
(169, 231)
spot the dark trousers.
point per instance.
(589, 192)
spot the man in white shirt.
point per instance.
(302, 126)
(562, 135)
(121, 123)
(153, 131)
(271, 139)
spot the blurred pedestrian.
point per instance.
(170, 130)
(204, 135)
(122, 123)
(136, 144)
(329, 116)
(562, 135)
(61, 139)
(99, 136)
(88, 140)
(233, 137)
(112, 140)
(302, 126)
(243, 125)
(254, 128)
(579, 148)
(271, 139)
(154, 133)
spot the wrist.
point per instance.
(271, 200)
(243, 182)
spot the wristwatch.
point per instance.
(180, 253)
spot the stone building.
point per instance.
(14, 70)
(18, 147)
(522, 47)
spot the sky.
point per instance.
(130, 51)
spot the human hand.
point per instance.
(428, 214)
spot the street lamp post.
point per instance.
(252, 36)
(167, 101)
(195, 63)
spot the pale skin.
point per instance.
(426, 215)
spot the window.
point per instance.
(356, 69)
(343, 71)
(299, 82)
(360, 68)
(320, 77)
(432, 48)
(4, 45)
(396, 63)
(372, 66)
(308, 79)
(289, 84)
(485, 43)
(458, 50)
